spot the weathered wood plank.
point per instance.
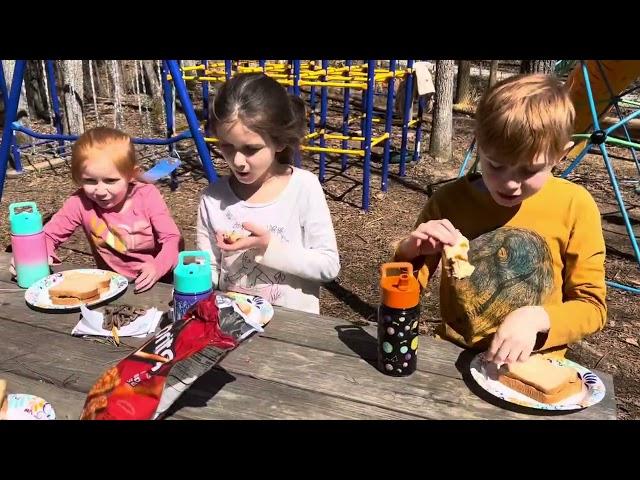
(424, 394)
(340, 336)
(221, 395)
(60, 359)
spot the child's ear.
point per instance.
(137, 172)
(280, 148)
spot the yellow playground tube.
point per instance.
(619, 74)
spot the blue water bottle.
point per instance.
(191, 282)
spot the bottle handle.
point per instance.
(14, 206)
(196, 254)
(396, 265)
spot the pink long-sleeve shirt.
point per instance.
(120, 241)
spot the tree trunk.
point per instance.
(116, 93)
(463, 85)
(23, 113)
(493, 73)
(442, 129)
(191, 85)
(36, 90)
(73, 95)
(86, 80)
(99, 69)
(538, 66)
(151, 79)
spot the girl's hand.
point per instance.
(147, 277)
(259, 240)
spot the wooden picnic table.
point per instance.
(303, 366)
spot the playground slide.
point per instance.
(619, 73)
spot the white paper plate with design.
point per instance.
(38, 293)
(21, 406)
(257, 308)
(593, 390)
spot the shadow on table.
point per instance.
(361, 342)
(202, 390)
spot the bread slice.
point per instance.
(3, 397)
(456, 259)
(540, 379)
(73, 300)
(232, 237)
(102, 281)
(76, 288)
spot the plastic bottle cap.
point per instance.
(25, 222)
(192, 278)
(399, 291)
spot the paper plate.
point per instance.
(22, 406)
(593, 390)
(37, 294)
(258, 309)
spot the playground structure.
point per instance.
(295, 75)
(596, 88)
(348, 77)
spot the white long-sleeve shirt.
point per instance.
(302, 252)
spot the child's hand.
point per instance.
(258, 240)
(147, 277)
(429, 238)
(515, 338)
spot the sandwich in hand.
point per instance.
(456, 259)
(231, 237)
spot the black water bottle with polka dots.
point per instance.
(398, 316)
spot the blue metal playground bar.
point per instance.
(616, 99)
(324, 100)
(10, 111)
(49, 137)
(53, 93)
(467, 157)
(192, 120)
(296, 92)
(599, 138)
(388, 126)
(10, 125)
(368, 127)
(346, 111)
(408, 100)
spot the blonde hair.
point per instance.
(119, 144)
(524, 116)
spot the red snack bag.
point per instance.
(132, 389)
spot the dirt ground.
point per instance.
(365, 239)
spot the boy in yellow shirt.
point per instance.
(536, 241)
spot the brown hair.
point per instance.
(264, 106)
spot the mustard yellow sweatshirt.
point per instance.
(547, 251)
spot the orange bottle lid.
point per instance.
(399, 291)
